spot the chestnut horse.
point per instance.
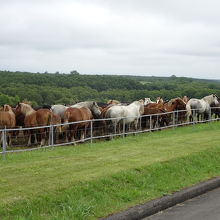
(41, 117)
(157, 117)
(76, 115)
(7, 120)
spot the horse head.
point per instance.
(23, 108)
(18, 109)
(147, 101)
(181, 105)
(173, 104)
(95, 109)
(7, 108)
(215, 100)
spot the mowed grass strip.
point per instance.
(90, 181)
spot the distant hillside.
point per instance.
(48, 88)
(156, 78)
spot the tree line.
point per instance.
(54, 88)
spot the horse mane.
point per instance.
(209, 98)
(7, 108)
(112, 101)
(26, 108)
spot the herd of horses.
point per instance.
(72, 122)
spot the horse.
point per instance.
(147, 101)
(131, 113)
(180, 107)
(216, 109)
(92, 106)
(7, 120)
(157, 117)
(59, 110)
(41, 117)
(201, 106)
(75, 115)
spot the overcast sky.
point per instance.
(138, 37)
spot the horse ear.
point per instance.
(93, 103)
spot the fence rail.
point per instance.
(97, 129)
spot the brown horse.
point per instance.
(157, 117)
(41, 117)
(181, 116)
(7, 120)
(76, 115)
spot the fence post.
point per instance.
(140, 123)
(210, 114)
(193, 117)
(52, 135)
(4, 143)
(177, 117)
(91, 132)
(174, 119)
(123, 128)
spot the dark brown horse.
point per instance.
(79, 115)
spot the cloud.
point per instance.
(113, 37)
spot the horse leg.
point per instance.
(9, 138)
(29, 138)
(84, 132)
(82, 135)
(73, 133)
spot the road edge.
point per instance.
(156, 205)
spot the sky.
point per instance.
(135, 37)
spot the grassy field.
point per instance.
(91, 181)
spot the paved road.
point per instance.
(204, 207)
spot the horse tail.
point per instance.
(65, 126)
(189, 110)
(108, 113)
(50, 118)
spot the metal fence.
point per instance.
(28, 139)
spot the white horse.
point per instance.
(147, 101)
(131, 113)
(59, 110)
(92, 106)
(201, 106)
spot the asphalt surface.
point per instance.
(204, 207)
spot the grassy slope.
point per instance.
(94, 180)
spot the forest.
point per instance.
(54, 88)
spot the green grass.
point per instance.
(90, 181)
